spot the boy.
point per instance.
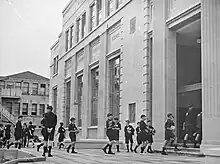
(31, 130)
(50, 122)
(42, 133)
(117, 128)
(129, 132)
(110, 132)
(198, 133)
(169, 133)
(143, 132)
(73, 130)
(25, 134)
(7, 134)
(138, 130)
(18, 134)
(61, 132)
(150, 134)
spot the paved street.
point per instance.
(95, 156)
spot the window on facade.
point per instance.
(67, 40)
(92, 14)
(54, 100)
(118, 3)
(83, 25)
(55, 65)
(25, 109)
(110, 7)
(2, 84)
(34, 88)
(18, 85)
(42, 109)
(25, 88)
(71, 36)
(68, 67)
(34, 110)
(78, 30)
(43, 89)
(99, 11)
(10, 84)
(114, 90)
(79, 98)
(132, 25)
(151, 11)
(16, 109)
(132, 112)
(68, 96)
(94, 105)
(9, 107)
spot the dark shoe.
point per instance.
(68, 149)
(50, 155)
(110, 152)
(118, 151)
(163, 153)
(131, 150)
(44, 151)
(135, 151)
(38, 148)
(104, 151)
(74, 152)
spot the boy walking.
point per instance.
(73, 130)
(61, 132)
(143, 132)
(150, 134)
(31, 130)
(169, 133)
(117, 129)
(138, 130)
(18, 133)
(129, 132)
(110, 132)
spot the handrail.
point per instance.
(8, 115)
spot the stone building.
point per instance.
(131, 57)
(25, 94)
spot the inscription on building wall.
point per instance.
(80, 60)
(114, 37)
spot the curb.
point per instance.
(183, 153)
(24, 160)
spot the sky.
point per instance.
(28, 28)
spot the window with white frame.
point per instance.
(67, 40)
(99, 11)
(55, 65)
(78, 30)
(25, 109)
(68, 67)
(83, 25)
(110, 7)
(92, 16)
(42, 109)
(118, 4)
(25, 88)
(34, 110)
(34, 88)
(71, 36)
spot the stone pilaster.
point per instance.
(102, 86)
(85, 97)
(163, 70)
(210, 34)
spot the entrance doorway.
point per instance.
(188, 51)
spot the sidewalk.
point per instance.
(96, 156)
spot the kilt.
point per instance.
(138, 140)
(129, 138)
(111, 135)
(189, 130)
(150, 138)
(169, 134)
(72, 136)
(61, 138)
(49, 135)
(143, 137)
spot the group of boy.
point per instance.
(5, 135)
(144, 132)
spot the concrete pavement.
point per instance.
(96, 156)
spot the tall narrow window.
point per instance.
(79, 98)
(68, 95)
(25, 109)
(34, 88)
(43, 89)
(151, 11)
(9, 107)
(55, 65)
(68, 67)
(71, 36)
(114, 94)
(2, 84)
(92, 14)
(18, 85)
(118, 4)
(42, 109)
(16, 109)
(67, 40)
(99, 11)
(54, 100)
(83, 25)
(94, 103)
(25, 88)
(78, 24)
(34, 110)
(10, 84)
(132, 112)
(110, 7)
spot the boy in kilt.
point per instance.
(129, 132)
(169, 133)
(42, 133)
(61, 132)
(110, 132)
(138, 130)
(73, 130)
(1, 135)
(198, 133)
(7, 135)
(50, 122)
(117, 128)
(143, 132)
(25, 134)
(150, 134)
(31, 129)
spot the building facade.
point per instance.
(25, 94)
(133, 57)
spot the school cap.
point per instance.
(50, 107)
(61, 123)
(109, 114)
(72, 119)
(148, 120)
(143, 115)
(20, 117)
(116, 118)
(190, 105)
(169, 114)
(138, 122)
(127, 121)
